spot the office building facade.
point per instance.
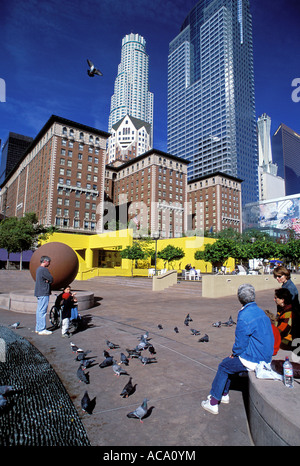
(12, 151)
(286, 154)
(131, 89)
(211, 102)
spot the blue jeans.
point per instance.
(221, 382)
(41, 312)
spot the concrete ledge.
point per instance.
(161, 282)
(218, 286)
(25, 301)
(273, 412)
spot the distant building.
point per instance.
(286, 154)
(131, 90)
(270, 185)
(60, 177)
(12, 151)
(211, 98)
(214, 203)
(130, 138)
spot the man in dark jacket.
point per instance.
(42, 291)
(254, 342)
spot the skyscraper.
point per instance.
(211, 102)
(131, 90)
(286, 153)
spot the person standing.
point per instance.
(254, 342)
(42, 291)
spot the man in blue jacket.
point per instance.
(254, 342)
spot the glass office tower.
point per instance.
(131, 90)
(211, 101)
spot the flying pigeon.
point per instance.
(87, 404)
(133, 353)
(15, 325)
(217, 324)
(92, 71)
(83, 376)
(111, 345)
(194, 331)
(146, 360)
(176, 330)
(124, 360)
(118, 370)
(139, 412)
(204, 339)
(128, 389)
(108, 361)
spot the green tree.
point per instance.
(290, 251)
(134, 253)
(217, 253)
(21, 234)
(264, 249)
(171, 253)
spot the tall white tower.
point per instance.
(131, 91)
(264, 141)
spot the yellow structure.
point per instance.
(99, 255)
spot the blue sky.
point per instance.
(45, 44)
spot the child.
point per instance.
(69, 310)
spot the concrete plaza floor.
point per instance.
(175, 385)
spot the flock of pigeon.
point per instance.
(87, 404)
(120, 368)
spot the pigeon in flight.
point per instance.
(93, 70)
(87, 404)
(204, 339)
(139, 412)
(128, 389)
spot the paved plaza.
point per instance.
(175, 385)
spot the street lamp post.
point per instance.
(155, 237)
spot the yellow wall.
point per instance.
(87, 247)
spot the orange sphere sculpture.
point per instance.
(64, 263)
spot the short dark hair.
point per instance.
(284, 293)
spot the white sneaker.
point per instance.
(45, 332)
(225, 399)
(208, 407)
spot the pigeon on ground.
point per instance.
(83, 376)
(92, 71)
(106, 354)
(229, 322)
(3, 402)
(139, 412)
(87, 404)
(176, 330)
(145, 336)
(118, 370)
(82, 356)
(217, 324)
(111, 345)
(205, 339)
(142, 345)
(146, 360)
(74, 348)
(124, 359)
(188, 318)
(128, 389)
(108, 361)
(5, 389)
(134, 353)
(195, 332)
(151, 349)
(15, 325)
(86, 363)
(160, 326)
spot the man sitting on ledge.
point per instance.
(254, 342)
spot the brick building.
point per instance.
(60, 177)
